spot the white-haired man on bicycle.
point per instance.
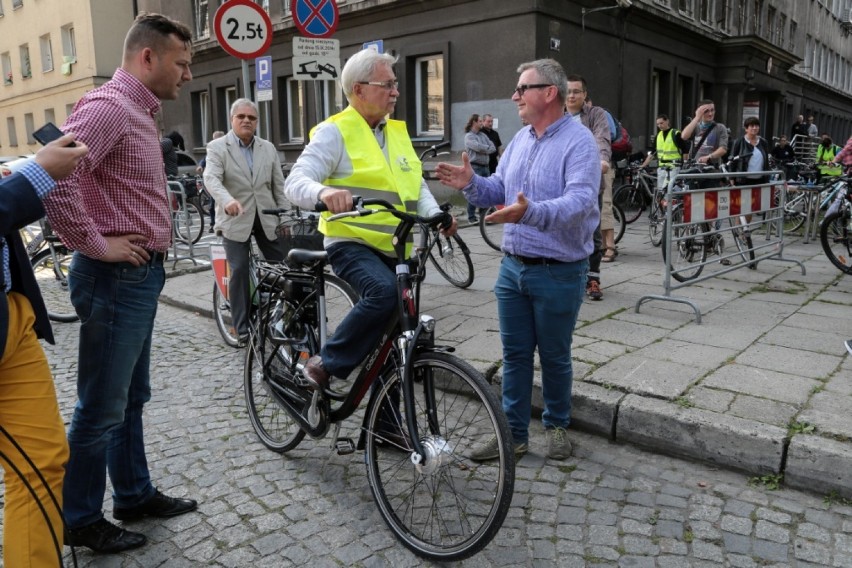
(360, 151)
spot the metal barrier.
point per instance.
(176, 194)
(703, 212)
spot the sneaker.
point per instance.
(593, 290)
(473, 220)
(558, 445)
(488, 450)
(848, 344)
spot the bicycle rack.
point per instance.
(176, 195)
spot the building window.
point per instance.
(1, 8)
(69, 42)
(6, 62)
(295, 110)
(46, 53)
(332, 98)
(706, 10)
(285, 8)
(13, 135)
(793, 29)
(29, 126)
(686, 7)
(429, 93)
(265, 5)
(69, 108)
(782, 27)
(49, 115)
(665, 3)
(17, 4)
(201, 114)
(201, 19)
(26, 68)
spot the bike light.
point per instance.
(428, 323)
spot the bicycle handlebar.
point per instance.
(434, 149)
(359, 204)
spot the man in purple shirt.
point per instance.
(113, 211)
(548, 178)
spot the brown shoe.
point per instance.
(315, 373)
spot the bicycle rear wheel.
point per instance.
(449, 507)
(742, 239)
(268, 374)
(492, 233)
(688, 250)
(619, 224)
(222, 315)
(451, 258)
(188, 223)
(51, 272)
(836, 238)
(656, 222)
(631, 199)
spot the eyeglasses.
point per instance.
(242, 117)
(521, 89)
(389, 85)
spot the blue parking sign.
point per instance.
(263, 72)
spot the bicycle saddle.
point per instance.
(303, 257)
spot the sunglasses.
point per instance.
(249, 117)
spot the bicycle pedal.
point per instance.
(344, 446)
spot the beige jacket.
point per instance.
(227, 176)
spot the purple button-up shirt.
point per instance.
(559, 174)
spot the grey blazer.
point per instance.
(227, 176)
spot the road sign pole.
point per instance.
(247, 93)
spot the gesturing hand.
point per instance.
(511, 213)
(454, 176)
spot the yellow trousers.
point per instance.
(30, 414)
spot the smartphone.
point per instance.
(48, 133)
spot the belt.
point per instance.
(538, 261)
(156, 256)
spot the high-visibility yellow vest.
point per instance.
(827, 154)
(396, 179)
(667, 150)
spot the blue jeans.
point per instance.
(117, 303)
(373, 277)
(538, 307)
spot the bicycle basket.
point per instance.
(300, 231)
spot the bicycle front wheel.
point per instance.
(51, 272)
(836, 238)
(656, 222)
(688, 250)
(222, 315)
(448, 507)
(451, 258)
(492, 233)
(188, 223)
(742, 239)
(619, 224)
(631, 199)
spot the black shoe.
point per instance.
(242, 340)
(157, 506)
(103, 536)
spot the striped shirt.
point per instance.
(42, 183)
(119, 187)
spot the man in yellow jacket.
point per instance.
(361, 151)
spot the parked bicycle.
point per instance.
(187, 214)
(50, 260)
(692, 243)
(450, 255)
(835, 232)
(298, 229)
(437, 502)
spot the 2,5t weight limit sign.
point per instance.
(243, 28)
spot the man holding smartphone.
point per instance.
(114, 212)
(28, 408)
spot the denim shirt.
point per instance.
(559, 174)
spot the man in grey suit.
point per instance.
(243, 174)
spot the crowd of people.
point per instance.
(104, 196)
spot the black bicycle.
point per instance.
(51, 260)
(437, 501)
(450, 255)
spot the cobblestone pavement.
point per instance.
(609, 505)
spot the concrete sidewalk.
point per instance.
(762, 385)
